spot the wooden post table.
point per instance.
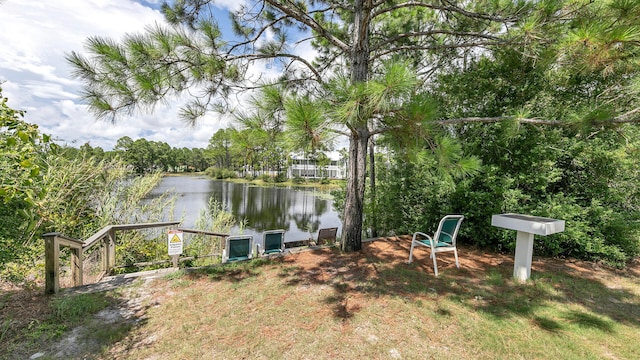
(526, 226)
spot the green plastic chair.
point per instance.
(237, 248)
(273, 242)
(443, 240)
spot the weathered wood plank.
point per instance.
(95, 238)
(107, 237)
(76, 266)
(51, 263)
(144, 225)
(65, 240)
(110, 243)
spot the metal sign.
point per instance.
(175, 242)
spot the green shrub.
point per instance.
(410, 199)
(591, 184)
(218, 173)
(281, 177)
(267, 178)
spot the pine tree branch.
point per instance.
(450, 8)
(497, 119)
(616, 120)
(434, 32)
(257, 36)
(437, 47)
(294, 57)
(309, 21)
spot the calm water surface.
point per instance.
(299, 211)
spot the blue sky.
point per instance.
(35, 35)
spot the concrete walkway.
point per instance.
(112, 282)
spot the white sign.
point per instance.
(175, 242)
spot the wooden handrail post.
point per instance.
(104, 254)
(51, 263)
(112, 250)
(52, 243)
(109, 251)
(76, 266)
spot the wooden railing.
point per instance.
(106, 237)
(52, 244)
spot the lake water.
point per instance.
(299, 211)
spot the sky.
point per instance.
(35, 35)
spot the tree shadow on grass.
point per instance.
(484, 283)
(233, 272)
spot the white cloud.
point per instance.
(37, 76)
(232, 5)
(36, 35)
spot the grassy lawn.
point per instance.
(323, 304)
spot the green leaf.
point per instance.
(31, 225)
(23, 136)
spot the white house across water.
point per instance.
(306, 167)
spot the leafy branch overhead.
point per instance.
(21, 145)
(144, 69)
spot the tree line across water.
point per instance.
(226, 156)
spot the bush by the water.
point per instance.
(218, 173)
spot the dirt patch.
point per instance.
(22, 311)
(82, 342)
(473, 262)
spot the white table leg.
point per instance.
(524, 255)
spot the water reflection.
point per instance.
(299, 211)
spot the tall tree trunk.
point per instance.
(354, 197)
(360, 49)
(372, 184)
